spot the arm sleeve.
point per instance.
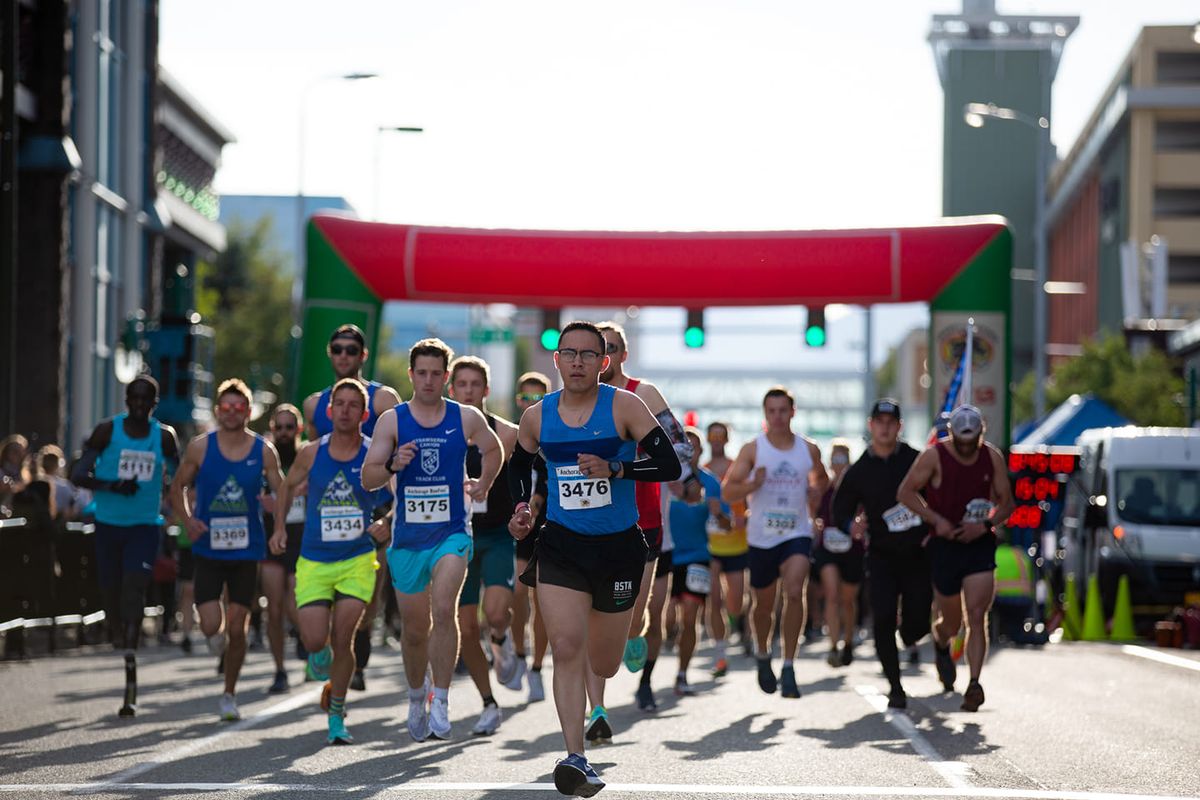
(661, 464)
(845, 501)
(520, 474)
(679, 441)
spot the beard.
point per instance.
(967, 448)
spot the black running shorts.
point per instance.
(950, 562)
(214, 575)
(608, 567)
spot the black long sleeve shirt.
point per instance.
(871, 482)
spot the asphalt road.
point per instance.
(1073, 721)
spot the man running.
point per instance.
(335, 572)
(730, 557)
(492, 566)
(348, 353)
(897, 562)
(782, 478)
(645, 632)
(531, 388)
(227, 468)
(277, 573)
(838, 561)
(966, 493)
(591, 557)
(423, 443)
(124, 463)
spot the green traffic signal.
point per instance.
(814, 336)
(694, 337)
(550, 339)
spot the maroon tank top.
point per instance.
(963, 486)
(647, 494)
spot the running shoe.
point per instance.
(635, 654)
(598, 730)
(645, 698)
(537, 692)
(833, 659)
(358, 681)
(509, 669)
(897, 699)
(280, 684)
(228, 708)
(186, 645)
(957, 645)
(847, 654)
(787, 683)
(945, 666)
(720, 669)
(317, 666)
(972, 697)
(766, 676)
(489, 721)
(748, 646)
(326, 694)
(439, 719)
(574, 776)
(337, 731)
(418, 713)
(914, 656)
(683, 688)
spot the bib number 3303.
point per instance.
(579, 493)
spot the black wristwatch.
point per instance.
(391, 458)
(615, 468)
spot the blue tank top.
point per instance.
(227, 501)
(140, 459)
(587, 505)
(338, 509)
(689, 523)
(324, 424)
(430, 501)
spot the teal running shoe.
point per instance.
(337, 730)
(635, 654)
(317, 667)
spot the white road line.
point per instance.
(621, 788)
(954, 773)
(1161, 657)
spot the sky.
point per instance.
(670, 115)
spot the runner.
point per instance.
(348, 353)
(492, 565)
(277, 573)
(781, 476)
(729, 550)
(531, 388)
(423, 442)
(591, 557)
(125, 462)
(838, 561)
(690, 506)
(227, 467)
(645, 632)
(335, 572)
(966, 488)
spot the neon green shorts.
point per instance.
(327, 581)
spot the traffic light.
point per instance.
(814, 329)
(693, 334)
(551, 327)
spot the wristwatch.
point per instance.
(615, 468)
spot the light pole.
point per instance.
(975, 115)
(379, 132)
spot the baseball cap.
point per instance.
(886, 405)
(966, 421)
(349, 332)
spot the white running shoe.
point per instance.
(228, 708)
(418, 714)
(489, 721)
(537, 692)
(509, 669)
(439, 719)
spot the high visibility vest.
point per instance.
(1014, 572)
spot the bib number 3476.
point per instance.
(579, 493)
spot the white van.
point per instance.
(1133, 508)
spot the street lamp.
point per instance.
(382, 129)
(976, 115)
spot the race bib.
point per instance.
(295, 513)
(135, 465)
(478, 506)
(781, 521)
(712, 527)
(341, 523)
(899, 519)
(697, 579)
(579, 493)
(978, 510)
(426, 504)
(229, 533)
(835, 541)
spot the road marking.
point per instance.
(953, 772)
(624, 788)
(1162, 658)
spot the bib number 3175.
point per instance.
(426, 504)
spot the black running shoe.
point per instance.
(645, 698)
(972, 697)
(847, 654)
(897, 698)
(945, 666)
(186, 645)
(358, 682)
(787, 683)
(766, 676)
(280, 684)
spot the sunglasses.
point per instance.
(348, 349)
(232, 405)
(530, 397)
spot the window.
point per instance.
(1177, 68)
(1156, 496)
(1177, 202)
(1176, 135)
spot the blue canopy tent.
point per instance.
(1062, 426)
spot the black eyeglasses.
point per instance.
(348, 349)
(569, 354)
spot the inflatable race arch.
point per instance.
(961, 267)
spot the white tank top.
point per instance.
(778, 511)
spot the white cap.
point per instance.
(966, 422)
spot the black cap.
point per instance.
(349, 331)
(886, 405)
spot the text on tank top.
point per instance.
(338, 508)
(126, 458)
(778, 511)
(431, 504)
(227, 502)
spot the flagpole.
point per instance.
(968, 362)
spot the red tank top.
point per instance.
(647, 494)
(961, 483)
